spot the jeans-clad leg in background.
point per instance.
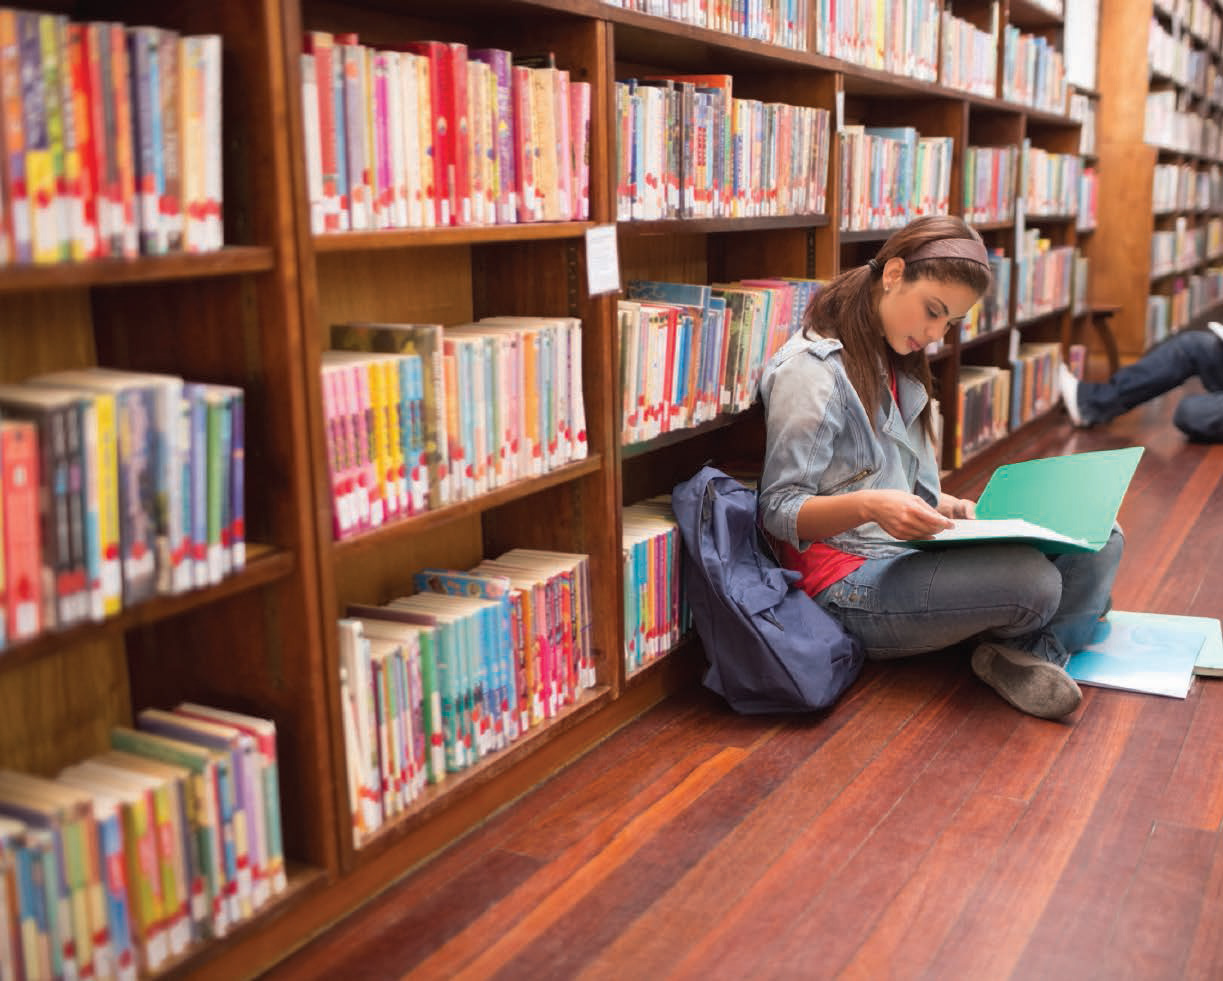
(1163, 368)
(919, 602)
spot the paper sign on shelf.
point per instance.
(602, 260)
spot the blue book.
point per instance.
(1135, 652)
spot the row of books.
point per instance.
(111, 140)
(989, 183)
(984, 403)
(1171, 123)
(1198, 17)
(1172, 55)
(1185, 187)
(781, 22)
(125, 859)
(1188, 298)
(1034, 380)
(994, 310)
(434, 682)
(1033, 71)
(433, 134)
(1050, 181)
(899, 37)
(689, 352)
(891, 175)
(419, 416)
(686, 147)
(656, 612)
(970, 54)
(1088, 210)
(1043, 276)
(1179, 248)
(1084, 109)
(1080, 283)
(117, 486)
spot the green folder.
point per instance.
(1065, 503)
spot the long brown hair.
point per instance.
(848, 308)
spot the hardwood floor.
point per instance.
(921, 828)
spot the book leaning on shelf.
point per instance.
(114, 866)
(111, 140)
(434, 682)
(656, 612)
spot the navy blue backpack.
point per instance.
(770, 646)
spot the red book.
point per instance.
(22, 542)
(322, 46)
(524, 144)
(460, 189)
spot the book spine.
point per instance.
(455, 60)
(354, 116)
(321, 45)
(12, 119)
(19, 456)
(214, 229)
(524, 143)
(125, 205)
(59, 130)
(143, 45)
(237, 479)
(79, 94)
(170, 203)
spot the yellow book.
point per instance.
(547, 187)
(108, 501)
(397, 471)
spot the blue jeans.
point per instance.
(919, 602)
(1161, 369)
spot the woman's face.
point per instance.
(919, 312)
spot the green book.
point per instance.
(1058, 504)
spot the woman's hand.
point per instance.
(956, 507)
(904, 516)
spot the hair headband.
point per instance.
(972, 249)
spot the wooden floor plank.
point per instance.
(684, 916)
(1161, 909)
(1082, 911)
(914, 924)
(567, 882)
(1006, 907)
(1197, 777)
(1206, 952)
(750, 931)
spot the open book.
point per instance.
(1059, 504)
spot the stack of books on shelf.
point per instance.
(989, 183)
(1174, 187)
(419, 416)
(656, 613)
(1214, 238)
(688, 352)
(970, 54)
(994, 310)
(1177, 249)
(900, 38)
(687, 148)
(1170, 125)
(784, 23)
(111, 140)
(984, 393)
(126, 859)
(1079, 290)
(891, 175)
(1033, 71)
(1050, 184)
(1034, 381)
(436, 134)
(434, 682)
(1043, 274)
(1159, 318)
(1168, 54)
(116, 487)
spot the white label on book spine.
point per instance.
(180, 935)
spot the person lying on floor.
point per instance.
(850, 470)
(1168, 364)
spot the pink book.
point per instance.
(564, 148)
(524, 144)
(579, 135)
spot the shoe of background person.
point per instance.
(1069, 387)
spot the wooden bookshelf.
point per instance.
(1122, 245)
(258, 314)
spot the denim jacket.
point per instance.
(820, 442)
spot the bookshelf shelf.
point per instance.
(1028, 14)
(1036, 318)
(352, 549)
(867, 235)
(233, 260)
(1060, 219)
(989, 337)
(676, 436)
(992, 226)
(419, 238)
(705, 226)
(265, 565)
